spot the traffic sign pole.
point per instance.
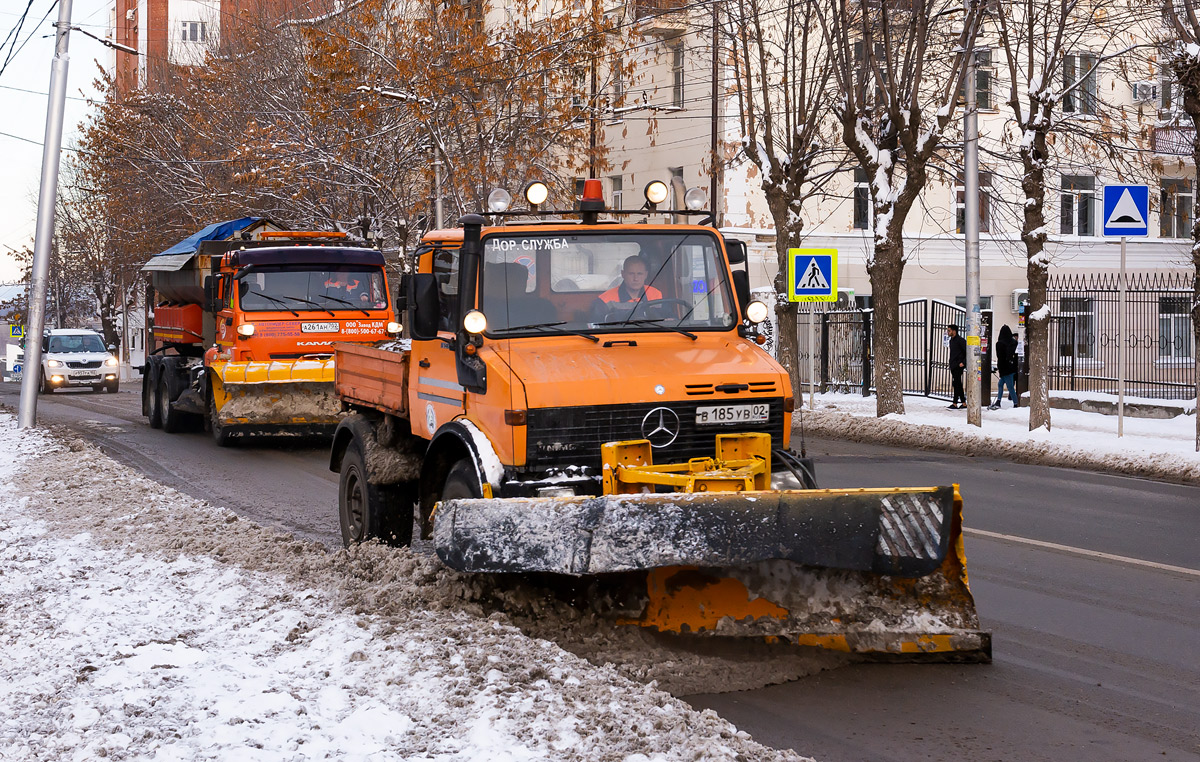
(971, 231)
(1121, 346)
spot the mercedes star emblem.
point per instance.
(660, 426)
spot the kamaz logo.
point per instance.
(312, 343)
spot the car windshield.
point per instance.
(87, 342)
(605, 282)
(329, 289)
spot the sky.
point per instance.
(23, 99)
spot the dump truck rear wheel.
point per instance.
(172, 420)
(150, 390)
(462, 482)
(369, 511)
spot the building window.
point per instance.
(1175, 210)
(985, 302)
(1077, 205)
(863, 301)
(985, 209)
(194, 31)
(1168, 96)
(618, 191)
(580, 184)
(1076, 334)
(1174, 327)
(618, 82)
(984, 75)
(1079, 68)
(862, 200)
(677, 76)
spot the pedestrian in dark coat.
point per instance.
(958, 364)
(1006, 366)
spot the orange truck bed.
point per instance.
(376, 378)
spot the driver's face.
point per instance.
(635, 277)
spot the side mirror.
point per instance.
(735, 250)
(111, 347)
(424, 306)
(400, 298)
(210, 293)
(741, 287)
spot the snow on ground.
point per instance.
(1153, 448)
(137, 623)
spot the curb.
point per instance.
(1165, 467)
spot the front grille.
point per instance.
(573, 435)
(84, 365)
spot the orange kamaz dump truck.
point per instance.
(580, 397)
(244, 319)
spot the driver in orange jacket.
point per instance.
(631, 291)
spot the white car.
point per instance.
(77, 358)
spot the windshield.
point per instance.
(329, 288)
(87, 342)
(596, 282)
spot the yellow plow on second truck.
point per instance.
(549, 418)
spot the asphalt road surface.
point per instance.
(1090, 584)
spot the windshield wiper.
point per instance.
(548, 326)
(277, 301)
(652, 321)
(352, 305)
(308, 301)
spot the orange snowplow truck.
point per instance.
(590, 398)
(244, 322)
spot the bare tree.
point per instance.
(899, 67)
(782, 73)
(1052, 90)
(1183, 58)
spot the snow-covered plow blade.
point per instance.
(276, 393)
(871, 570)
(859, 570)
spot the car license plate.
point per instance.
(88, 374)
(711, 415)
(320, 327)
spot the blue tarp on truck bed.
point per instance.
(218, 231)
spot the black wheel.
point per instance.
(220, 432)
(150, 399)
(369, 511)
(112, 388)
(462, 482)
(43, 386)
(172, 420)
(97, 388)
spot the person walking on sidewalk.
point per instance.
(1006, 366)
(958, 364)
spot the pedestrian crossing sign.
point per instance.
(812, 275)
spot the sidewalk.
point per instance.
(1152, 448)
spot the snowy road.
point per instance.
(1094, 657)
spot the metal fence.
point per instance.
(1085, 337)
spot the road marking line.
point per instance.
(1083, 552)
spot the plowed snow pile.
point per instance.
(138, 623)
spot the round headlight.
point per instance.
(536, 193)
(475, 322)
(695, 199)
(246, 329)
(394, 328)
(756, 312)
(499, 200)
(656, 191)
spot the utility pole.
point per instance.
(971, 230)
(47, 198)
(715, 170)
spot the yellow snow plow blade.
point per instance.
(860, 570)
(297, 392)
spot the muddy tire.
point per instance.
(461, 482)
(220, 432)
(150, 395)
(172, 420)
(369, 511)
